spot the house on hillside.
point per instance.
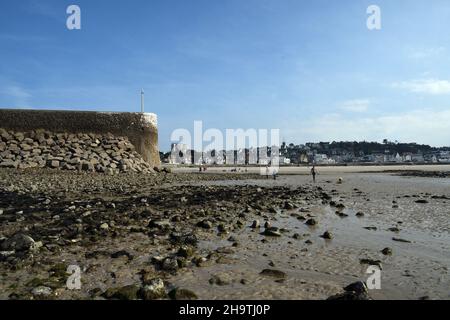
(417, 158)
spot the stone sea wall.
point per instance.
(73, 140)
(82, 152)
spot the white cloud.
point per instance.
(358, 105)
(428, 86)
(21, 38)
(45, 9)
(15, 95)
(425, 53)
(421, 126)
(15, 91)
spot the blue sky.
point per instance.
(309, 68)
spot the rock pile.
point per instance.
(65, 151)
(354, 291)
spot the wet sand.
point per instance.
(232, 260)
(316, 271)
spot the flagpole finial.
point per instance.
(142, 100)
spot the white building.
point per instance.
(229, 157)
(320, 158)
(417, 158)
(179, 154)
(240, 156)
(407, 157)
(444, 157)
(284, 160)
(252, 156)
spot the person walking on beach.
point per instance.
(313, 173)
(274, 174)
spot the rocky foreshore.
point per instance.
(207, 236)
(45, 214)
(66, 151)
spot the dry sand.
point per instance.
(320, 169)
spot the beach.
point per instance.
(204, 234)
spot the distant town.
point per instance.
(320, 153)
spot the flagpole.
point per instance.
(142, 100)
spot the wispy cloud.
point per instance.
(21, 38)
(425, 53)
(17, 95)
(357, 105)
(15, 91)
(428, 86)
(44, 8)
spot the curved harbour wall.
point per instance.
(140, 128)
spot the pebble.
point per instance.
(186, 251)
(371, 262)
(129, 292)
(19, 242)
(104, 226)
(170, 264)
(255, 224)
(327, 235)
(272, 232)
(155, 289)
(205, 224)
(41, 291)
(221, 279)
(401, 240)
(355, 291)
(182, 294)
(273, 273)
(122, 253)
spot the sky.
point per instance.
(309, 68)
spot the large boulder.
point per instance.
(354, 291)
(19, 242)
(155, 289)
